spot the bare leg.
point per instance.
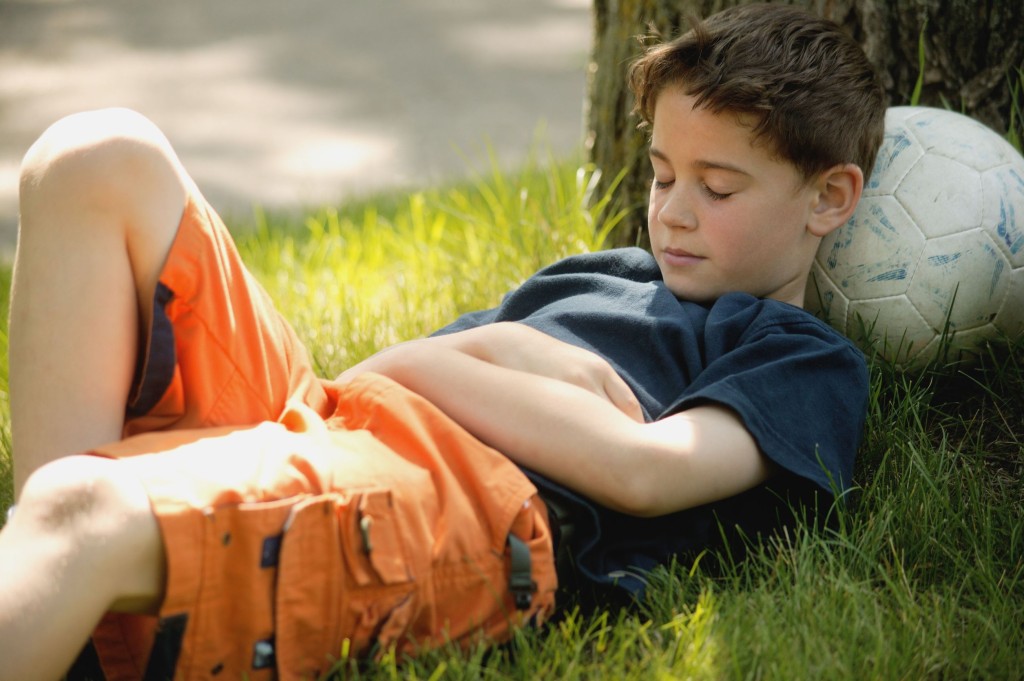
(102, 194)
(83, 541)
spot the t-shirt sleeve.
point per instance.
(800, 388)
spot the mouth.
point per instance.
(678, 257)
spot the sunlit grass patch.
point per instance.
(355, 280)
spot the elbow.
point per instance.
(638, 498)
(645, 480)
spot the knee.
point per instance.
(96, 518)
(101, 155)
(82, 497)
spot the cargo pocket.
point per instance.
(343, 582)
(379, 556)
(382, 602)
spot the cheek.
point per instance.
(741, 238)
(733, 250)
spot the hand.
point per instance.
(520, 348)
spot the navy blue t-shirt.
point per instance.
(799, 387)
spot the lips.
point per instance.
(678, 257)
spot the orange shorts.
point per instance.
(305, 521)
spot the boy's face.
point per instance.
(725, 215)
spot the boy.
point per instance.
(254, 518)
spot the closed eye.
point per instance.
(712, 194)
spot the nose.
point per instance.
(676, 211)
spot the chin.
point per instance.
(692, 294)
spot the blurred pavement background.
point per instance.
(292, 103)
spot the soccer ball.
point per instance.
(931, 265)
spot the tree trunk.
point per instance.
(974, 63)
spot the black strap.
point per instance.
(163, 657)
(87, 666)
(520, 576)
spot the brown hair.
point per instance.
(809, 85)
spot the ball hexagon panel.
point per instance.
(942, 196)
(963, 277)
(875, 253)
(897, 155)
(955, 136)
(825, 297)
(891, 326)
(961, 344)
(1003, 205)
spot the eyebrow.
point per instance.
(703, 165)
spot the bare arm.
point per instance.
(579, 437)
(519, 347)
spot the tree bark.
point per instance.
(974, 63)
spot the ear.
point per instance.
(838, 191)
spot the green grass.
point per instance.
(921, 576)
(379, 272)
